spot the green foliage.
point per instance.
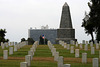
(30, 41)
(23, 39)
(91, 22)
(2, 36)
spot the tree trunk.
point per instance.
(92, 37)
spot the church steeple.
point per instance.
(66, 17)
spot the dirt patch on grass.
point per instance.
(51, 59)
(77, 60)
(34, 58)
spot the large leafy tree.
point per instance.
(2, 35)
(92, 23)
(95, 16)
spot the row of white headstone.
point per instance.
(84, 55)
(6, 44)
(11, 50)
(29, 57)
(57, 58)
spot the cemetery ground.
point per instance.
(43, 57)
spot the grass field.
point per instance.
(43, 57)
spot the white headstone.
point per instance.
(92, 50)
(28, 59)
(15, 47)
(83, 42)
(84, 57)
(10, 50)
(73, 42)
(91, 44)
(2, 45)
(23, 64)
(65, 45)
(30, 53)
(81, 46)
(76, 53)
(5, 54)
(97, 46)
(7, 45)
(56, 56)
(67, 65)
(54, 50)
(85, 47)
(99, 42)
(72, 49)
(86, 42)
(60, 61)
(95, 41)
(68, 46)
(95, 62)
(76, 44)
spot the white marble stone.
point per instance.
(76, 44)
(92, 50)
(56, 56)
(73, 42)
(81, 46)
(15, 48)
(68, 46)
(65, 45)
(87, 43)
(10, 50)
(53, 52)
(83, 42)
(95, 62)
(7, 45)
(30, 53)
(5, 54)
(67, 65)
(76, 53)
(91, 44)
(23, 64)
(72, 49)
(28, 59)
(85, 47)
(99, 42)
(2, 45)
(97, 46)
(60, 61)
(84, 57)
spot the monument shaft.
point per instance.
(66, 32)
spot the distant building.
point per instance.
(50, 34)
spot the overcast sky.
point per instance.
(17, 16)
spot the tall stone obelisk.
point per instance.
(66, 32)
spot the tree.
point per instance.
(23, 39)
(88, 26)
(30, 41)
(94, 14)
(2, 36)
(92, 24)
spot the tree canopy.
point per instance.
(91, 22)
(2, 35)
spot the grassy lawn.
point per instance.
(43, 57)
(76, 62)
(42, 51)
